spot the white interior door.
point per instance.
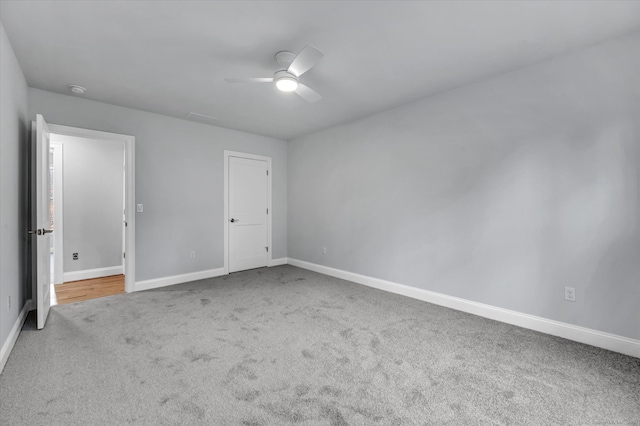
(43, 222)
(248, 203)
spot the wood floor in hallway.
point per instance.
(77, 291)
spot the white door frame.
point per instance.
(228, 154)
(58, 212)
(130, 188)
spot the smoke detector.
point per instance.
(78, 90)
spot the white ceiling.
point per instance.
(171, 57)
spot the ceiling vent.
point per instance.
(202, 117)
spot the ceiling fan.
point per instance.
(287, 78)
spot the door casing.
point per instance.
(58, 212)
(228, 154)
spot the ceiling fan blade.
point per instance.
(250, 80)
(307, 93)
(306, 59)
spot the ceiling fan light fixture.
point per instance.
(287, 84)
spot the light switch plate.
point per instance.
(139, 208)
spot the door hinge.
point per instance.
(267, 249)
(267, 211)
(267, 172)
(124, 255)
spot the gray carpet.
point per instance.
(285, 345)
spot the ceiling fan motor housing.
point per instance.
(284, 74)
(285, 58)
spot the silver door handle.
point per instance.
(46, 231)
(235, 220)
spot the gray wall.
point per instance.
(93, 202)
(502, 192)
(179, 179)
(14, 127)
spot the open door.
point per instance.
(43, 221)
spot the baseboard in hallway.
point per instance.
(77, 291)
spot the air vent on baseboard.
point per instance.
(201, 117)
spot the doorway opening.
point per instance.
(88, 200)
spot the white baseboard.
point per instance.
(589, 336)
(278, 262)
(178, 279)
(7, 346)
(193, 276)
(88, 274)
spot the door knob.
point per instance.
(40, 231)
(235, 220)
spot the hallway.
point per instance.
(77, 291)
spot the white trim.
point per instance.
(589, 336)
(130, 190)
(130, 215)
(87, 274)
(178, 279)
(228, 154)
(278, 262)
(58, 212)
(225, 212)
(13, 334)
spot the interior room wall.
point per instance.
(502, 192)
(14, 126)
(93, 190)
(179, 180)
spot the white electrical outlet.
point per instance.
(192, 255)
(324, 251)
(570, 294)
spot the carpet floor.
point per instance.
(288, 346)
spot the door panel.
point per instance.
(42, 230)
(248, 202)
